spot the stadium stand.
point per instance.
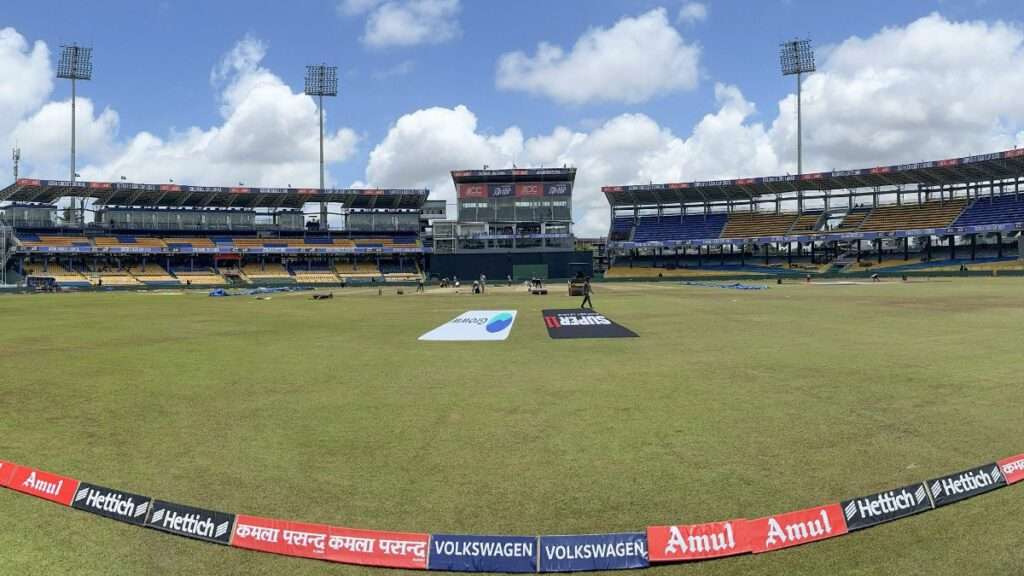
(357, 269)
(752, 225)
(806, 223)
(622, 229)
(60, 274)
(128, 242)
(320, 277)
(189, 243)
(46, 241)
(914, 216)
(200, 277)
(993, 210)
(853, 220)
(153, 274)
(678, 227)
(266, 271)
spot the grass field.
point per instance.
(730, 404)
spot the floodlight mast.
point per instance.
(797, 58)
(322, 80)
(75, 64)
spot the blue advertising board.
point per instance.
(593, 552)
(464, 553)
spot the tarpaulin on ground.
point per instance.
(579, 323)
(474, 325)
(466, 553)
(593, 552)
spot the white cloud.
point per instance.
(929, 90)
(633, 61)
(405, 22)
(26, 78)
(423, 147)
(269, 135)
(401, 69)
(355, 7)
(693, 12)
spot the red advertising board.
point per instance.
(6, 470)
(367, 547)
(697, 541)
(472, 191)
(529, 190)
(1012, 468)
(796, 528)
(52, 487)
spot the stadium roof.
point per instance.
(131, 194)
(515, 175)
(983, 168)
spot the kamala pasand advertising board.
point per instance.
(475, 325)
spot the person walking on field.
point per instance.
(586, 295)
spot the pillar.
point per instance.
(952, 247)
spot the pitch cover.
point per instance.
(475, 325)
(113, 504)
(578, 323)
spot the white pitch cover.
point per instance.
(475, 325)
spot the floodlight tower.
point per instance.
(75, 64)
(322, 80)
(16, 159)
(797, 57)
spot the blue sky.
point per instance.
(153, 60)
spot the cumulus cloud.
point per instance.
(405, 23)
(693, 12)
(268, 136)
(633, 61)
(423, 147)
(932, 89)
(26, 78)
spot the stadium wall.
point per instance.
(499, 265)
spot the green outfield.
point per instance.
(730, 404)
